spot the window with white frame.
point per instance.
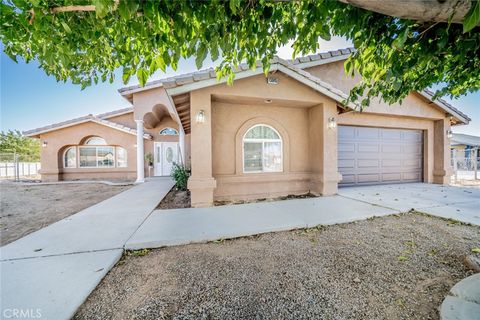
(70, 158)
(262, 150)
(121, 157)
(95, 153)
(169, 132)
(97, 141)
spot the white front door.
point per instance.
(166, 153)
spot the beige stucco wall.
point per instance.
(413, 105)
(300, 115)
(59, 140)
(231, 111)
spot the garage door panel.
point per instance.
(347, 132)
(346, 147)
(346, 163)
(412, 176)
(368, 163)
(367, 133)
(412, 136)
(378, 155)
(391, 135)
(391, 163)
(368, 147)
(391, 177)
(392, 149)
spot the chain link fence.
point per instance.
(12, 167)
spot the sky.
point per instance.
(30, 99)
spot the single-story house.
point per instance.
(287, 133)
(465, 147)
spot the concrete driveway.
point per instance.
(183, 226)
(462, 204)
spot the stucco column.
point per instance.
(140, 152)
(201, 183)
(323, 150)
(442, 170)
(181, 142)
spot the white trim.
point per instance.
(319, 62)
(212, 82)
(76, 157)
(444, 107)
(114, 115)
(71, 124)
(136, 89)
(262, 141)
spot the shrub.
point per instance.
(180, 175)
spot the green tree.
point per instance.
(86, 41)
(15, 142)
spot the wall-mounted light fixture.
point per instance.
(200, 118)
(44, 143)
(267, 100)
(272, 80)
(449, 134)
(332, 123)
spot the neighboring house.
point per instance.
(289, 133)
(465, 147)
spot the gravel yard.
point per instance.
(26, 208)
(396, 267)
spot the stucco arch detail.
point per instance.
(239, 143)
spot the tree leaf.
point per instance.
(66, 27)
(201, 55)
(142, 76)
(472, 18)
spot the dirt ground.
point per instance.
(25, 209)
(175, 199)
(396, 267)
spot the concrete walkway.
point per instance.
(183, 226)
(53, 270)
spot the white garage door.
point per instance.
(379, 156)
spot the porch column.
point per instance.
(140, 152)
(181, 142)
(201, 183)
(323, 150)
(442, 170)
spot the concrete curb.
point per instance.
(463, 302)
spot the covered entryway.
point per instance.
(165, 154)
(368, 155)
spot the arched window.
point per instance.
(262, 150)
(70, 158)
(96, 141)
(169, 132)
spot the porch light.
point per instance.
(332, 123)
(200, 116)
(272, 80)
(267, 100)
(449, 134)
(44, 143)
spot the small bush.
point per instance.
(180, 175)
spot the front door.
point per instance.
(166, 153)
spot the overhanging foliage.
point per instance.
(86, 41)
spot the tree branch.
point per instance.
(419, 10)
